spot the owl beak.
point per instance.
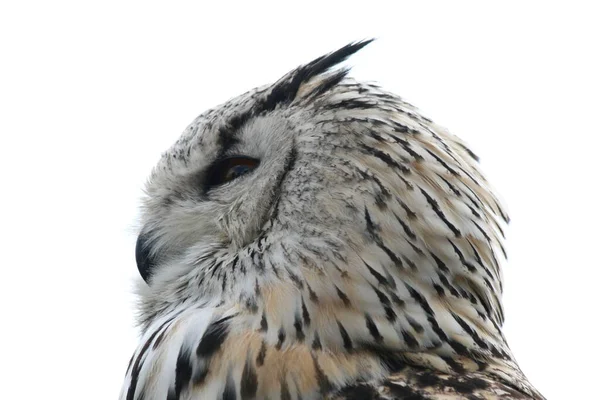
(143, 256)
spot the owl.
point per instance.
(318, 238)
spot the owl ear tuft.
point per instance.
(285, 90)
(327, 61)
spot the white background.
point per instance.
(91, 93)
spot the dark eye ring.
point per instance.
(230, 168)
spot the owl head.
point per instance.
(326, 213)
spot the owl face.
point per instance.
(216, 188)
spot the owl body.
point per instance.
(319, 238)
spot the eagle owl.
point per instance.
(318, 238)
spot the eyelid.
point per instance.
(216, 171)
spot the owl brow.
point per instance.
(226, 137)
(285, 90)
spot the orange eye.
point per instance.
(231, 168)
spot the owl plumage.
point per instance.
(318, 238)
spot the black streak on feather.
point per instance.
(213, 337)
(249, 382)
(372, 327)
(345, 336)
(229, 393)
(260, 358)
(183, 371)
(137, 366)
(436, 208)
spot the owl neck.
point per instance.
(342, 317)
(336, 316)
(346, 304)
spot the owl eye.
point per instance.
(231, 168)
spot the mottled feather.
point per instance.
(355, 253)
